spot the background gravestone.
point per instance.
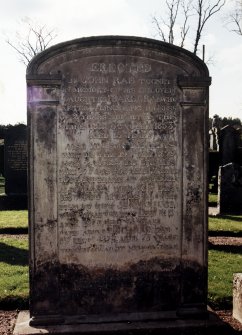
(2, 157)
(228, 145)
(118, 166)
(14, 165)
(15, 162)
(230, 189)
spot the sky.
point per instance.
(81, 18)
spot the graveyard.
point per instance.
(117, 238)
(224, 259)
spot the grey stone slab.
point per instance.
(212, 325)
(118, 181)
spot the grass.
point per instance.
(225, 225)
(212, 198)
(224, 260)
(221, 267)
(2, 185)
(14, 282)
(13, 222)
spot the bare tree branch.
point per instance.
(204, 11)
(234, 18)
(173, 7)
(36, 39)
(185, 28)
(159, 29)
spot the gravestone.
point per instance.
(230, 189)
(228, 145)
(15, 160)
(14, 168)
(2, 157)
(118, 180)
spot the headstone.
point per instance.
(15, 160)
(237, 296)
(2, 157)
(230, 189)
(118, 180)
(228, 145)
(213, 140)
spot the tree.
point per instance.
(234, 19)
(200, 11)
(33, 40)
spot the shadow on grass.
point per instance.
(220, 303)
(13, 255)
(13, 231)
(234, 249)
(11, 303)
(225, 233)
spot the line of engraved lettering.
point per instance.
(157, 90)
(97, 90)
(159, 81)
(122, 90)
(88, 80)
(160, 108)
(117, 107)
(120, 67)
(124, 81)
(158, 98)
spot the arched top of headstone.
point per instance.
(49, 61)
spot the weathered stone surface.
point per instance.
(230, 189)
(118, 157)
(237, 296)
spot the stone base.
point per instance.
(212, 325)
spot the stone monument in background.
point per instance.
(118, 183)
(15, 167)
(15, 160)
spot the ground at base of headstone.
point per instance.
(220, 322)
(8, 320)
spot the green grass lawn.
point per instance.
(212, 198)
(223, 260)
(221, 266)
(13, 220)
(2, 185)
(14, 280)
(226, 225)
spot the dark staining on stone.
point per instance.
(50, 90)
(72, 217)
(46, 121)
(127, 146)
(51, 222)
(86, 155)
(152, 285)
(132, 214)
(194, 279)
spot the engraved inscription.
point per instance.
(17, 156)
(119, 152)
